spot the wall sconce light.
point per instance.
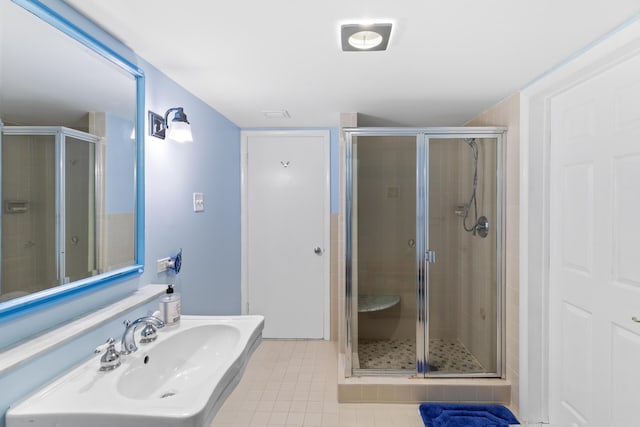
(178, 129)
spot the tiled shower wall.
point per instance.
(444, 239)
(119, 247)
(507, 113)
(478, 275)
(28, 236)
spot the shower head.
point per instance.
(471, 142)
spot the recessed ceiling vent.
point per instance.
(276, 114)
(365, 37)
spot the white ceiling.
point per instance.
(58, 82)
(447, 60)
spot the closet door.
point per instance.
(286, 229)
(594, 235)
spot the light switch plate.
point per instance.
(162, 264)
(198, 202)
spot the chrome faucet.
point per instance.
(128, 343)
(110, 360)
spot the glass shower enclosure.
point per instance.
(424, 285)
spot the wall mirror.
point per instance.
(71, 160)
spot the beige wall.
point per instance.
(117, 244)
(507, 113)
(478, 291)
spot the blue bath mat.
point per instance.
(462, 415)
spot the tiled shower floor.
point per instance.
(445, 355)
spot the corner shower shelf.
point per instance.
(368, 303)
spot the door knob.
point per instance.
(317, 250)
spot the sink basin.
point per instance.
(181, 379)
(178, 363)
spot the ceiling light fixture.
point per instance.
(178, 129)
(365, 37)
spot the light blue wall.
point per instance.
(210, 279)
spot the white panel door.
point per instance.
(595, 250)
(287, 213)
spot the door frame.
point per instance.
(535, 113)
(244, 156)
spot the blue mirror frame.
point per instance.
(28, 304)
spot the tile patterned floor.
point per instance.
(387, 354)
(451, 356)
(445, 355)
(294, 383)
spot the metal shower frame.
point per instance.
(423, 135)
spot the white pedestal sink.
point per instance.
(181, 379)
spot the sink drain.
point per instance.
(167, 394)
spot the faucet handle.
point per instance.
(110, 360)
(102, 347)
(148, 334)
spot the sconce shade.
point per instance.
(179, 129)
(180, 132)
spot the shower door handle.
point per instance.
(317, 250)
(430, 256)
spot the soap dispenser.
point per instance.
(170, 307)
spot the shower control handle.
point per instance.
(317, 250)
(482, 226)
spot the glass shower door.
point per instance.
(29, 256)
(80, 211)
(463, 297)
(424, 274)
(383, 276)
